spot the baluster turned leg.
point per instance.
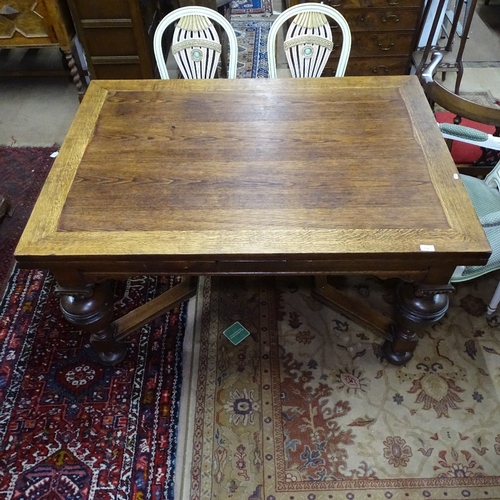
(417, 306)
(75, 74)
(90, 307)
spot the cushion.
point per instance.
(486, 201)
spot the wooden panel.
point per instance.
(26, 23)
(99, 9)
(111, 41)
(122, 71)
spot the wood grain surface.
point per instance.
(346, 172)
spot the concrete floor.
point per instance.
(37, 111)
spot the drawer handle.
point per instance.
(331, 4)
(394, 2)
(386, 48)
(384, 69)
(391, 16)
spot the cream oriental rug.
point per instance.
(305, 408)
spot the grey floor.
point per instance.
(37, 111)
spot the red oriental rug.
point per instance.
(306, 408)
(71, 428)
(22, 173)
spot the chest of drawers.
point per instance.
(384, 33)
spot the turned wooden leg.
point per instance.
(75, 74)
(90, 308)
(417, 306)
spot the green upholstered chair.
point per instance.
(485, 197)
(484, 193)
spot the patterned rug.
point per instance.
(252, 7)
(305, 408)
(23, 171)
(252, 46)
(71, 428)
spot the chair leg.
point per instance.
(460, 74)
(495, 300)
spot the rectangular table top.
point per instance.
(299, 169)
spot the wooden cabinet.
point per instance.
(39, 24)
(116, 36)
(384, 33)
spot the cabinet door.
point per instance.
(117, 36)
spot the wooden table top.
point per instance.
(323, 168)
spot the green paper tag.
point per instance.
(236, 333)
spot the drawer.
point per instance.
(341, 4)
(378, 44)
(102, 9)
(110, 41)
(381, 44)
(374, 66)
(381, 19)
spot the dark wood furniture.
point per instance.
(45, 23)
(253, 176)
(384, 34)
(116, 36)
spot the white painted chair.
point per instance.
(196, 45)
(484, 193)
(308, 41)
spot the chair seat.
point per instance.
(486, 201)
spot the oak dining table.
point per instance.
(318, 177)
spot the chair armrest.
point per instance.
(469, 135)
(459, 132)
(456, 104)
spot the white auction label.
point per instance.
(427, 248)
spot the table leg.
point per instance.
(90, 308)
(417, 306)
(74, 71)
